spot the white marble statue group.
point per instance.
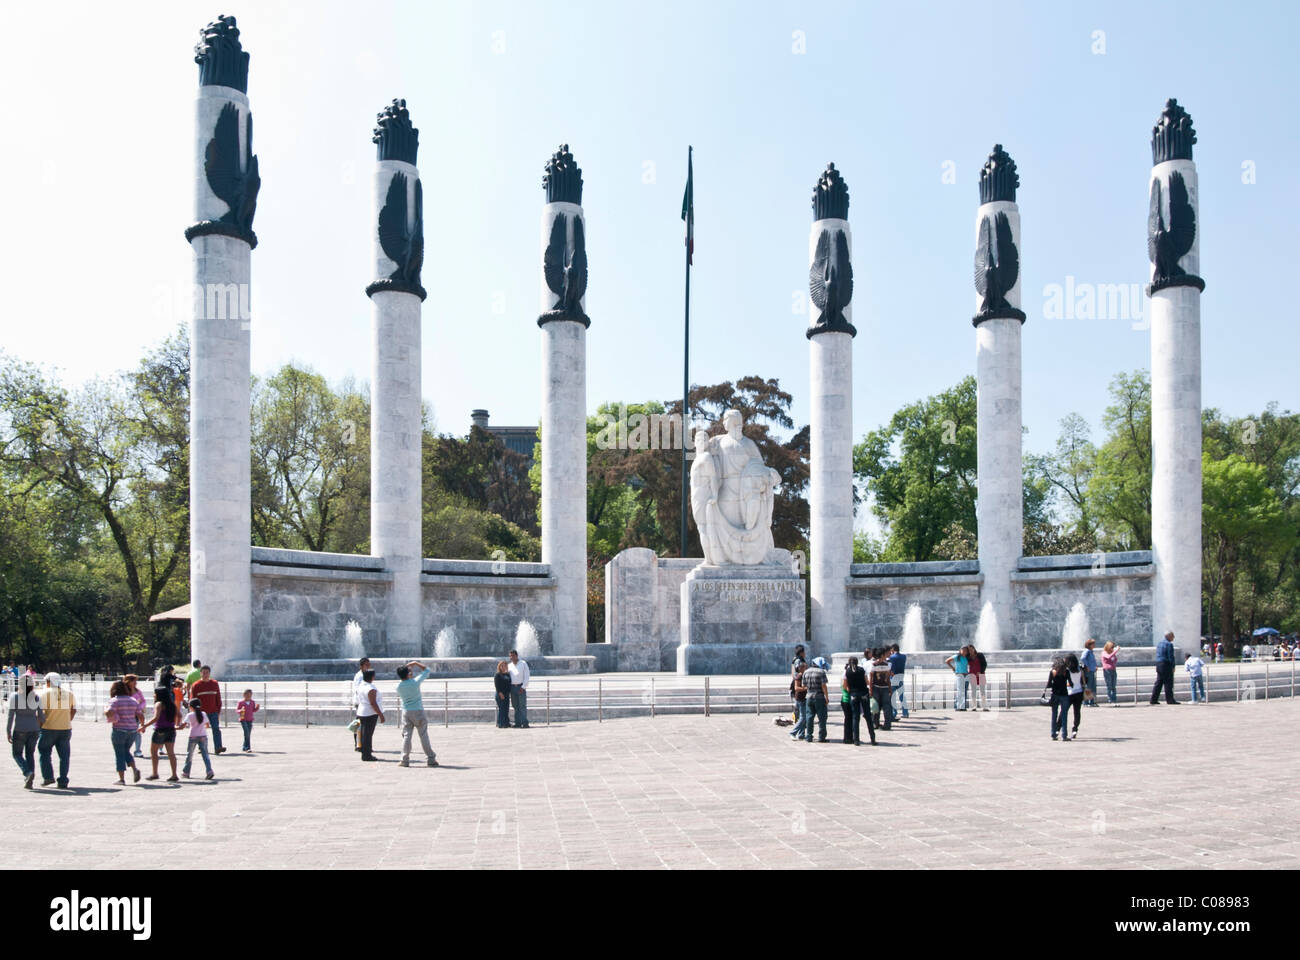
(732, 495)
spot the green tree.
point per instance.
(1265, 582)
(920, 473)
(486, 473)
(117, 453)
(1067, 472)
(1238, 506)
(1119, 486)
(310, 463)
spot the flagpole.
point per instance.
(686, 340)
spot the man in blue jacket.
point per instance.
(1164, 670)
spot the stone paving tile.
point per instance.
(983, 791)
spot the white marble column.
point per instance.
(564, 455)
(830, 486)
(1000, 493)
(1176, 414)
(220, 502)
(396, 428)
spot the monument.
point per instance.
(998, 319)
(1173, 244)
(743, 607)
(226, 183)
(564, 324)
(395, 414)
(830, 349)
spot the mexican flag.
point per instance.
(688, 208)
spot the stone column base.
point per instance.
(740, 619)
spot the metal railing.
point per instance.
(611, 696)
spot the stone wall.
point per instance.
(1114, 588)
(880, 594)
(302, 602)
(484, 602)
(643, 609)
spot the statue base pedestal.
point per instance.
(741, 619)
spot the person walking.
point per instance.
(125, 716)
(197, 721)
(357, 679)
(881, 687)
(370, 710)
(897, 682)
(979, 678)
(60, 709)
(501, 683)
(208, 691)
(245, 710)
(23, 727)
(1195, 668)
(1088, 660)
(1058, 682)
(814, 681)
(1075, 671)
(800, 658)
(412, 714)
(800, 702)
(859, 689)
(519, 675)
(960, 667)
(163, 721)
(133, 689)
(1110, 671)
(1164, 670)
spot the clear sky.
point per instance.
(98, 166)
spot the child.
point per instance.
(198, 738)
(1196, 672)
(246, 708)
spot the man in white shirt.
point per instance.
(364, 664)
(519, 689)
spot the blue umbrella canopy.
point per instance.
(1265, 632)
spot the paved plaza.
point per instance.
(1143, 787)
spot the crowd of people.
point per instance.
(870, 690)
(39, 724)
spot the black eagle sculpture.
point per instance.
(997, 265)
(830, 281)
(233, 177)
(566, 278)
(1167, 243)
(402, 246)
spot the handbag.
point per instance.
(1045, 700)
(355, 725)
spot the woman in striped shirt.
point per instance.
(125, 716)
